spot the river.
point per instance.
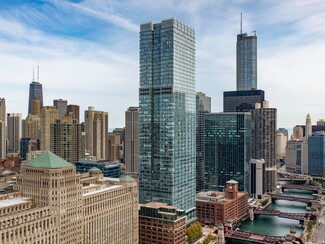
(272, 225)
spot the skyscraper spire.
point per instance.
(241, 23)
(33, 74)
(38, 73)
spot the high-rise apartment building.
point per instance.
(246, 62)
(113, 146)
(14, 132)
(3, 113)
(49, 115)
(296, 159)
(31, 127)
(263, 141)
(131, 149)
(66, 139)
(96, 128)
(35, 92)
(203, 106)
(3, 136)
(316, 154)
(280, 144)
(62, 107)
(74, 109)
(167, 117)
(257, 176)
(2, 139)
(227, 150)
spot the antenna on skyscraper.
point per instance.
(33, 74)
(241, 23)
(38, 73)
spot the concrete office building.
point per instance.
(62, 107)
(66, 139)
(203, 106)
(257, 176)
(297, 133)
(14, 132)
(96, 128)
(54, 204)
(131, 150)
(114, 147)
(246, 67)
(3, 135)
(227, 150)
(316, 154)
(263, 141)
(242, 101)
(49, 115)
(167, 117)
(161, 223)
(280, 144)
(31, 127)
(297, 156)
(213, 208)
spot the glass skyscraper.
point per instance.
(316, 154)
(35, 92)
(246, 62)
(227, 150)
(167, 116)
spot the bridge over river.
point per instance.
(295, 216)
(291, 198)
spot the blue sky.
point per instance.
(88, 51)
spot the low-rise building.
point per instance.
(161, 223)
(109, 169)
(52, 203)
(213, 208)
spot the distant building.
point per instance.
(74, 110)
(161, 223)
(66, 139)
(242, 101)
(308, 128)
(121, 131)
(24, 144)
(297, 156)
(203, 106)
(263, 141)
(36, 107)
(246, 67)
(3, 113)
(297, 133)
(257, 178)
(280, 144)
(3, 133)
(32, 127)
(114, 146)
(49, 115)
(68, 208)
(213, 208)
(62, 107)
(316, 154)
(131, 152)
(96, 128)
(14, 132)
(35, 92)
(227, 149)
(109, 169)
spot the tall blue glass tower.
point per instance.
(246, 62)
(167, 116)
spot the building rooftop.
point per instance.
(158, 205)
(101, 190)
(127, 178)
(48, 160)
(94, 169)
(232, 182)
(13, 201)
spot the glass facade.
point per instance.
(316, 154)
(35, 92)
(242, 101)
(112, 170)
(227, 150)
(167, 116)
(246, 62)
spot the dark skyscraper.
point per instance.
(35, 92)
(242, 101)
(203, 106)
(167, 116)
(246, 61)
(227, 149)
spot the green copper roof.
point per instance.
(127, 178)
(48, 160)
(232, 182)
(94, 169)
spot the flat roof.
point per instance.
(13, 201)
(101, 190)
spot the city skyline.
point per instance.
(59, 35)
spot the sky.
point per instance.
(88, 51)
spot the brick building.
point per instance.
(213, 208)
